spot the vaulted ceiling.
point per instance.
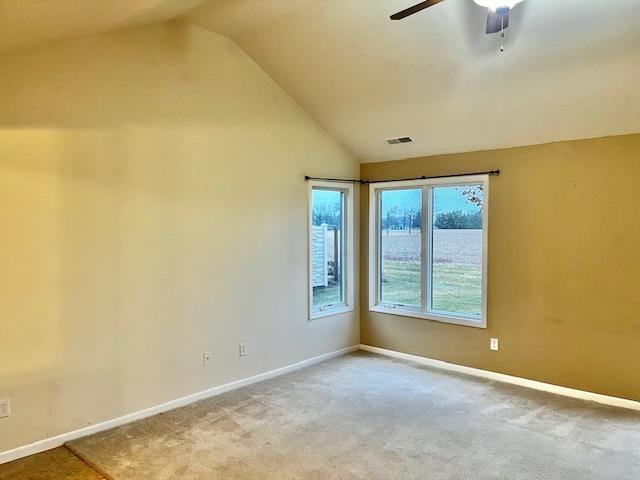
(570, 68)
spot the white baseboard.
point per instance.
(53, 442)
(501, 377)
(58, 440)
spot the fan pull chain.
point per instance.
(502, 34)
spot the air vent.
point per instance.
(396, 141)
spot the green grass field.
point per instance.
(457, 271)
(325, 295)
(456, 288)
(401, 283)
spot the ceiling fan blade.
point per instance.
(415, 9)
(495, 20)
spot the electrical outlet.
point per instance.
(493, 344)
(5, 408)
(243, 349)
(206, 358)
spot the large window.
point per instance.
(330, 248)
(428, 249)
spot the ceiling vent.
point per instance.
(396, 141)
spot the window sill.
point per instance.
(330, 312)
(403, 312)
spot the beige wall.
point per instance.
(152, 207)
(564, 266)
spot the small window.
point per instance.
(330, 248)
(428, 249)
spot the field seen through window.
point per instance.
(457, 269)
(456, 241)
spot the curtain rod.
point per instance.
(490, 172)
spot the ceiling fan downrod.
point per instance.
(504, 13)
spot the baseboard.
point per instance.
(58, 440)
(501, 377)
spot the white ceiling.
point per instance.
(571, 69)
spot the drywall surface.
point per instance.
(564, 266)
(152, 207)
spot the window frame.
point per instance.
(424, 311)
(348, 260)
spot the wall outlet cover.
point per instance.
(494, 344)
(5, 408)
(206, 358)
(243, 349)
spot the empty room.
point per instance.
(320, 239)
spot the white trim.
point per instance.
(58, 440)
(436, 317)
(425, 312)
(331, 311)
(486, 205)
(426, 266)
(501, 377)
(349, 247)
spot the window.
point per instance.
(428, 249)
(330, 248)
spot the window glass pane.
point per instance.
(401, 246)
(456, 273)
(327, 247)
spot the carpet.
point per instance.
(364, 416)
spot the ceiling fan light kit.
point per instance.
(497, 16)
(496, 5)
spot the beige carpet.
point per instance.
(368, 417)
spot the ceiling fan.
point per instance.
(497, 18)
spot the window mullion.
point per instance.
(425, 257)
(428, 239)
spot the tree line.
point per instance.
(458, 220)
(397, 218)
(331, 215)
(409, 219)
